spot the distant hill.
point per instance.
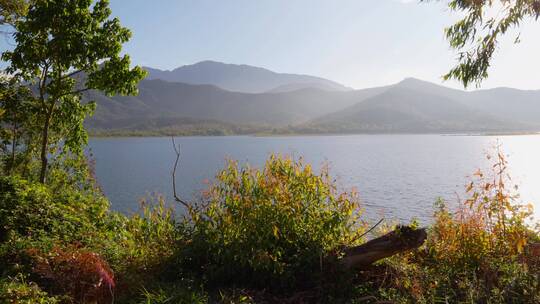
(412, 106)
(512, 105)
(161, 99)
(404, 110)
(242, 78)
(301, 86)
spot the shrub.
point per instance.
(172, 293)
(490, 223)
(36, 218)
(141, 248)
(82, 275)
(18, 291)
(34, 210)
(474, 254)
(272, 227)
(145, 238)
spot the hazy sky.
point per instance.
(360, 43)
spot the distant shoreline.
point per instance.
(264, 134)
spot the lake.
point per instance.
(398, 176)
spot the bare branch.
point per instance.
(176, 197)
(370, 229)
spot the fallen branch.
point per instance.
(403, 238)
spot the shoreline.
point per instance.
(150, 134)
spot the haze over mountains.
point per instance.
(216, 98)
(242, 78)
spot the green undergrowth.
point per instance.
(269, 235)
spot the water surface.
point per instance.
(397, 176)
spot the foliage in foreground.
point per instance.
(65, 240)
(271, 227)
(269, 235)
(478, 253)
(18, 291)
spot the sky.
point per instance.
(359, 43)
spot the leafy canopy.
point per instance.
(16, 113)
(11, 10)
(476, 35)
(64, 48)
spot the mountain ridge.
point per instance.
(239, 77)
(406, 110)
(411, 105)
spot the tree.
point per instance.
(64, 48)
(15, 119)
(476, 35)
(12, 10)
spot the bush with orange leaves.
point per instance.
(81, 274)
(490, 223)
(473, 254)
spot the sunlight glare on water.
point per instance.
(524, 163)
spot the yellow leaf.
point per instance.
(276, 231)
(521, 245)
(469, 187)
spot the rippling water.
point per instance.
(397, 176)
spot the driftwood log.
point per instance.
(403, 238)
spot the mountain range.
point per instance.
(216, 98)
(242, 78)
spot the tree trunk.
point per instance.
(402, 239)
(44, 146)
(13, 147)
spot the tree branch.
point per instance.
(75, 92)
(42, 81)
(176, 197)
(71, 74)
